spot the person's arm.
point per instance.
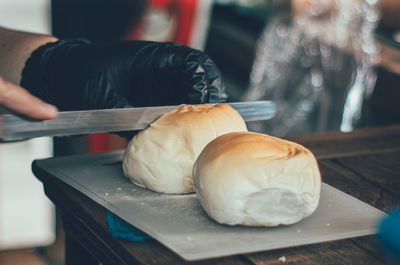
(76, 74)
(15, 49)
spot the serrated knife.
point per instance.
(13, 127)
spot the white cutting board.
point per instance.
(179, 222)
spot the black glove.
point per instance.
(79, 75)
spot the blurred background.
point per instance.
(327, 64)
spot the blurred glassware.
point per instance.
(317, 65)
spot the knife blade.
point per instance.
(13, 127)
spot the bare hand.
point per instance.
(20, 101)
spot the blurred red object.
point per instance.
(167, 20)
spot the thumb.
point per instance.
(20, 101)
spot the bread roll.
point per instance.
(252, 179)
(161, 157)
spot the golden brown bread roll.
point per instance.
(252, 179)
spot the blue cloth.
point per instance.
(389, 234)
(121, 229)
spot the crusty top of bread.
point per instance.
(255, 179)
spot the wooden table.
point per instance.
(364, 164)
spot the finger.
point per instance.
(20, 101)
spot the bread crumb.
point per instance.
(328, 224)
(106, 193)
(119, 189)
(282, 259)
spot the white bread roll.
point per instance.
(253, 179)
(161, 157)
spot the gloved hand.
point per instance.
(79, 75)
